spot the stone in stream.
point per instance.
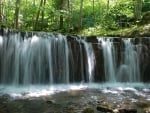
(124, 110)
(50, 101)
(147, 110)
(104, 109)
(88, 110)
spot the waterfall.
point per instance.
(90, 60)
(128, 69)
(44, 58)
(109, 59)
(34, 60)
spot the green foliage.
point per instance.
(146, 5)
(96, 15)
(123, 7)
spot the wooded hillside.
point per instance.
(71, 16)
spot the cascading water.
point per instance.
(42, 59)
(128, 70)
(35, 60)
(90, 60)
(109, 59)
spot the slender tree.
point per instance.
(16, 16)
(93, 6)
(61, 22)
(137, 9)
(37, 15)
(1, 11)
(69, 14)
(108, 2)
(81, 13)
(94, 11)
(43, 13)
(61, 5)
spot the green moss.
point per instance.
(88, 110)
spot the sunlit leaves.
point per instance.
(101, 13)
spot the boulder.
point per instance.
(88, 110)
(104, 109)
(125, 110)
(147, 110)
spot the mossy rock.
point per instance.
(105, 109)
(88, 110)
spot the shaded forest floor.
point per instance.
(138, 29)
(134, 31)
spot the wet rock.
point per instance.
(69, 110)
(88, 110)
(115, 111)
(92, 39)
(142, 103)
(50, 101)
(71, 38)
(147, 110)
(123, 110)
(104, 109)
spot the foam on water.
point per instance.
(36, 90)
(44, 90)
(1, 40)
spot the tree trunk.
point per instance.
(61, 18)
(16, 16)
(37, 16)
(61, 5)
(81, 13)
(1, 11)
(69, 15)
(137, 9)
(107, 5)
(94, 11)
(93, 6)
(43, 15)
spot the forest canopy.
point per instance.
(71, 15)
